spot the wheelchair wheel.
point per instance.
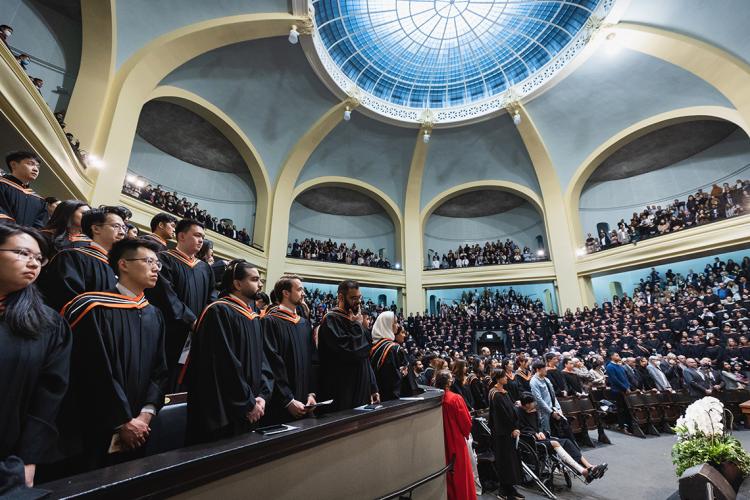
(568, 480)
(527, 454)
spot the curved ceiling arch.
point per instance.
(511, 187)
(607, 148)
(239, 140)
(390, 207)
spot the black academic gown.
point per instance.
(387, 358)
(75, 271)
(181, 293)
(503, 421)
(289, 348)
(33, 380)
(346, 374)
(156, 241)
(117, 368)
(20, 204)
(227, 371)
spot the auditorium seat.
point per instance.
(168, 427)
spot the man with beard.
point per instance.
(230, 380)
(289, 349)
(344, 347)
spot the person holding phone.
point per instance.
(344, 343)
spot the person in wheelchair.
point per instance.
(566, 449)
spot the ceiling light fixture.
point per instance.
(293, 35)
(540, 253)
(426, 136)
(516, 118)
(347, 114)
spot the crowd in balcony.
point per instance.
(332, 251)
(490, 254)
(721, 202)
(173, 203)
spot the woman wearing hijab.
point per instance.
(387, 357)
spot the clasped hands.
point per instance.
(134, 433)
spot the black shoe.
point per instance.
(602, 469)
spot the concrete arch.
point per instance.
(725, 72)
(390, 207)
(97, 68)
(524, 192)
(219, 119)
(142, 72)
(605, 149)
(511, 187)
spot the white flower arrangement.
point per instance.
(704, 416)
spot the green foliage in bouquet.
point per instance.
(712, 449)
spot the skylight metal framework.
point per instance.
(456, 57)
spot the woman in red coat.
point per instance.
(456, 428)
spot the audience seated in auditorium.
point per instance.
(182, 208)
(700, 208)
(331, 251)
(490, 254)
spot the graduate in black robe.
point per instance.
(387, 357)
(118, 368)
(184, 289)
(76, 270)
(162, 230)
(230, 380)
(505, 429)
(346, 375)
(18, 202)
(289, 348)
(34, 354)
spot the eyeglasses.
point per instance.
(23, 254)
(117, 227)
(150, 261)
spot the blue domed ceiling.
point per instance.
(458, 58)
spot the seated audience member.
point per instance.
(456, 430)
(572, 380)
(64, 226)
(18, 202)
(229, 377)
(387, 357)
(76, 270)
(506, 428)
(35, 358)
(567, 450)
(117, 361)
(162, 230)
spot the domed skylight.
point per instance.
(458, 58)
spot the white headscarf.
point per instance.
(383, 328)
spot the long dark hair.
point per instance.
(60, 219)
(25, 312)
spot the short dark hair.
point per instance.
(162, 217)
(125, 248)
(284, 284)
(19, 156)
(264, 297)
(97, 216)
(347, 285)
(185, 224)
(49, 200)
(550, 356)
(498, 373)
(538, 365)
(235, 270)
(442, 377)
(526, 398)
(123, 212)
(565, 361)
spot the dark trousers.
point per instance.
(623, 414)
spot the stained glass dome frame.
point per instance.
(475, 106)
